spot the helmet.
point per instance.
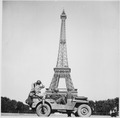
(38, 82)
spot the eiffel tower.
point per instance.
(62, 69)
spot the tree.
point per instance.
(117, 103)
(92, 105)
(4, 104)
(12, 106)
(19, 106)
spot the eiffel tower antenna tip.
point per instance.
(63, 10)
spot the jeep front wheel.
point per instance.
(43, 110)
(84, 110)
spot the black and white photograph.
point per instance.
(60, 58)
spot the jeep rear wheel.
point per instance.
(43, 110)
(84, 110)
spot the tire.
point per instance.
(69, 113)
(84, 110)
(43, 110)
(76, 114)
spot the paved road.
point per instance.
(11, 115)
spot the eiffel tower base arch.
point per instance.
(58, 74)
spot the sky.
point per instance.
(30, 41)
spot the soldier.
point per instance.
(60, 99)
(35, 90)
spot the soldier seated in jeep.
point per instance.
(60, 99)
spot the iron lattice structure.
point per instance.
(62, 70)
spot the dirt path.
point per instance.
(11, 115)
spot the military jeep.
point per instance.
(62, 102)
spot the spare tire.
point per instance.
(84, 110)
(43, 110)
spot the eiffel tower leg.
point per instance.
(54, 83)
(57, 82)
(69, 83)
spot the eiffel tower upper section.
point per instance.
(62, 70)
(62, 61)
